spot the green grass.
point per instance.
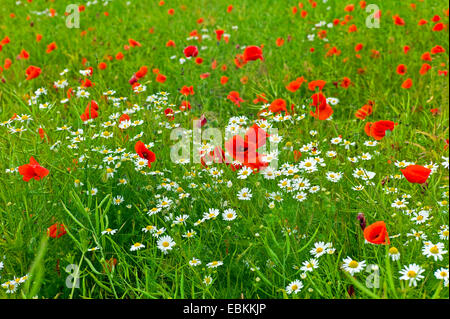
(264, 247)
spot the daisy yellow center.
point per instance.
(137, 245)
(411, 274)
(420, 217)
(393, 250)
(319, 250)
(443, 274)
(165, 244)
(434, 250)
(445, 233)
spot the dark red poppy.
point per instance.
(401, 69)
(190, 51)
(32, 170)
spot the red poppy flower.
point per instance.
(437, 49)
(119, 56)
(170, 114)
(90, 112)
(407, 83)
(32, 72)
(219, 34)
(260, 98)
(422, 22)
(296, 84)
(279, 42)
(245, 152)
(378, 129)
(416, 174)
(425, 68)
(161, 78)
(426, 56)
(277, 106)
(32, 170)
(190, 51)
(401, 69)
(86, 83)
(170, 43)
(56, 230)
(438, 27)
(364, 111)
(345, 83)
(252, 53)
(187, 90)
(185, 105)
(233, 96)
(5, 40)
(41, 133)
(223, 80)
(124, 117)
(376, 233)
(398, 20)
(144, 152)
(316, 84)
(358, 47)
(24, 54)
(349, 7)
(141, 72)
(134, 43)
(51, 47)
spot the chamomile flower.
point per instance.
(352, 266)
(136, 246)
(434, 250)
(109, 231)
(244, 194)
(412, 273)
(165, 243)
(214, 264)
(195, 262)
(229, 214)
(294, 287)
(394, 253)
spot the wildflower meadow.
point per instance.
(224, 149)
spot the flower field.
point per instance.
(224, 149)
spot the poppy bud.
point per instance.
(362, 221)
